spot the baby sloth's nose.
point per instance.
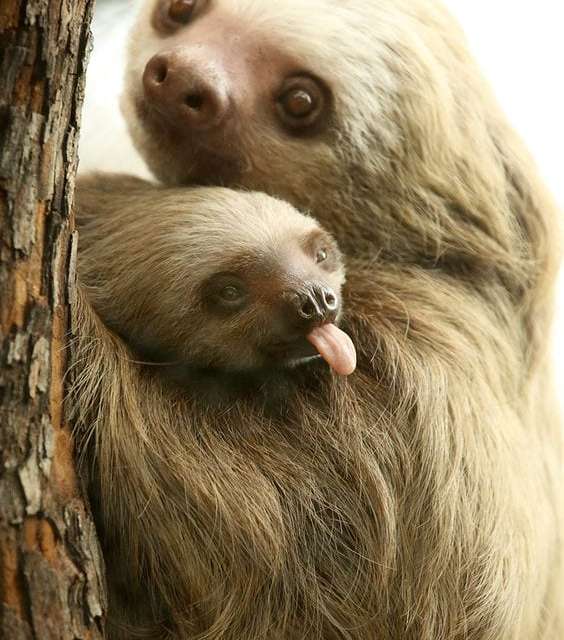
(191, 93)
(315, 305)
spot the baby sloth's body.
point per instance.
(224, 309)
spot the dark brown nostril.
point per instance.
(308, 309)
(194, 101)
(156, 76)
(160, 72)
(313, 305)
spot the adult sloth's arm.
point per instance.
(474, 468)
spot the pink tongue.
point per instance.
(335, 347)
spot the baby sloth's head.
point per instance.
(211, 278)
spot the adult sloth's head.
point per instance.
(288, 97)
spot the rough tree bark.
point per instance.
(51, 583)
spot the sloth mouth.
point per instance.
(326, 341)
(204, 163)
(292, 352)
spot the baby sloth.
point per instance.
(235, 289)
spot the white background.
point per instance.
(520, 46)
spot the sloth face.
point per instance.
(276, 310)
(275, 306)
(255, 93)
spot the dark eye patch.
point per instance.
(302, 104)
(181, 11)
(170, 15)
(225, 293)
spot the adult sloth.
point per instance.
(421, 498)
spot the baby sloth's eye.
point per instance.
(180, 11)
(231, 293)
(300, 103)
(321, 256)
(225, 293)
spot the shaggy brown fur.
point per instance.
(421, 498)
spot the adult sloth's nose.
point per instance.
(188, 90)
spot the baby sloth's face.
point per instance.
(249, 283)
(275, 307)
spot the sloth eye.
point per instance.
(225, 293)
(181, 10)
(298, 103)
(301, 103)
(231, 293)
(170, 15)
(321, 256)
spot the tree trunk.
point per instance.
(51, 579)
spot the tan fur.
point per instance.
(420, 499)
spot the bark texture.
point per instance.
(51, 584)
